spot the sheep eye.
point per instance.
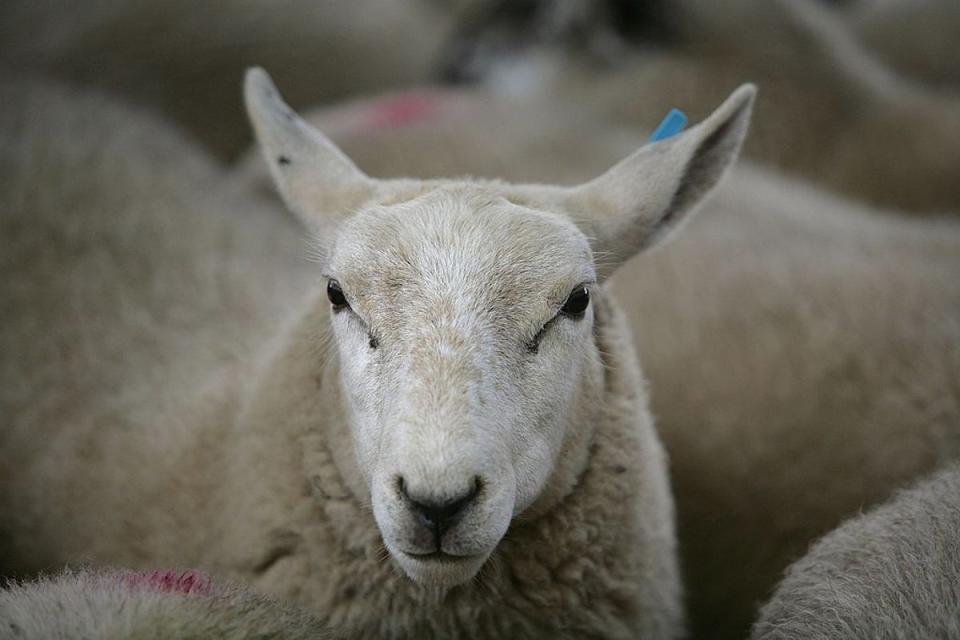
(335, 294)
(577, 302)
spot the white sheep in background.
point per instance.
(891, 573)
(831, 111)
(123, 605)
(130, 277)
(837, 114)
(921, 38)
(802, 350)
(447, 434)
(185, 59)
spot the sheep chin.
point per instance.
(440, 571)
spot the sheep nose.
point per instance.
(439, 516)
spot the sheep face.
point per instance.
(463, 324)
(463, 315)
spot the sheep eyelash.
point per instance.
(533, 345)
(372, 340)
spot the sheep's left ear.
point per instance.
(638, 202)
(318, 182)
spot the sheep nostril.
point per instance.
(440, 516)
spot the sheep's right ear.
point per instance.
(316, 180)
(644, 198)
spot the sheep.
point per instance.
(467, 451)
(831, 111)
(917, 37)
(893, 572)
(184, 60)
(844, 119)
(121, 255)
(119, 605)
(803, 350)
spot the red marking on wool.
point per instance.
(403, 110)
(188, 582)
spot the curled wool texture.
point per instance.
(160, 397)
(893, 572)
(803, 350)
(601, 564)
(126, 605)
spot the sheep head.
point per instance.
(463, 315)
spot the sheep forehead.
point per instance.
(469, 246)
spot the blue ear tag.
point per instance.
(672, 125)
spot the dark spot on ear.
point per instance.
(619, 469)
(283, 160)
(668, 217)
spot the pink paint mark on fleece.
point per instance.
(188, 582)
(404, 110)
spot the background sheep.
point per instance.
(121, 253)
(830, 112)
(793, 384)
(119, 605)
(893, 572)
(185, 60)
(917, 37)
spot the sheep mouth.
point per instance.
(439, 557)
(438, 569)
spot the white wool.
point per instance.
(893, 572)
(125, 605)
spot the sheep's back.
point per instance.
(133, 286)
(891, 573)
